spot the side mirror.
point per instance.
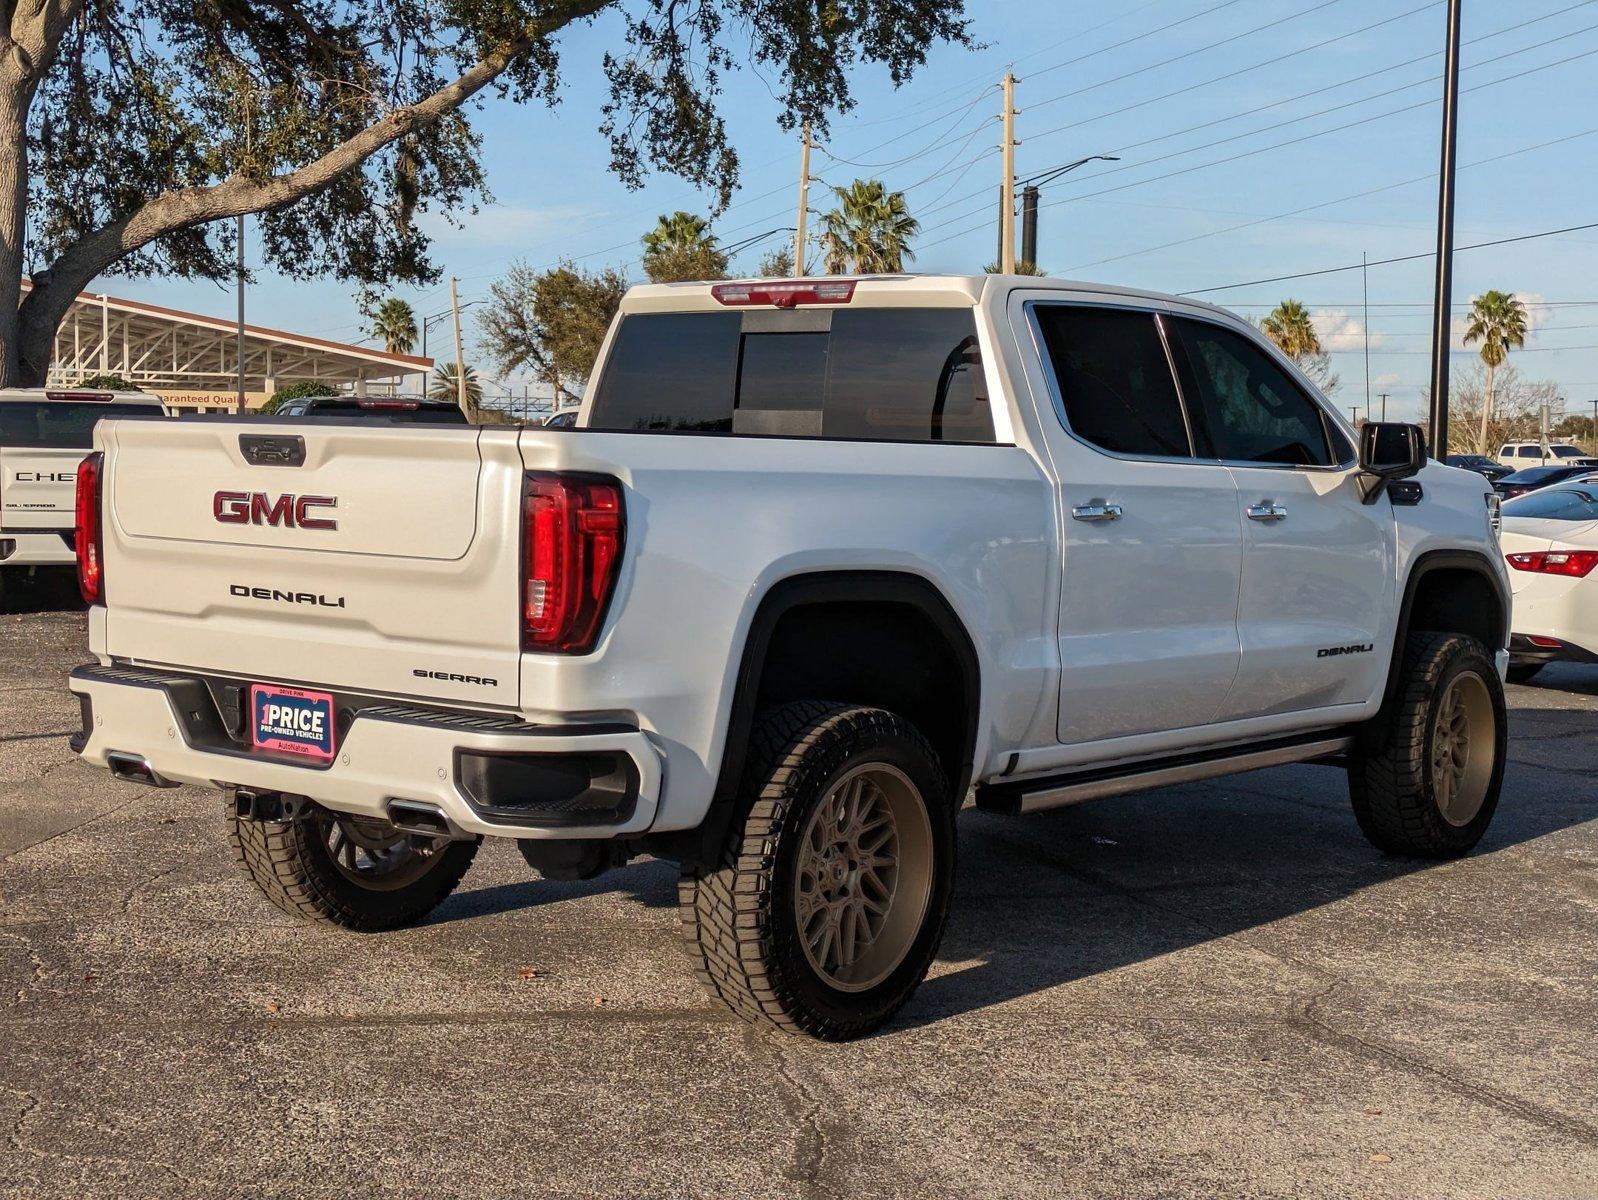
(1388, 450)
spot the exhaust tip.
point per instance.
(135, 768)
(421, 818)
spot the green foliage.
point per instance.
(1292, 328)
(394, 324)
(443, 385)
(681, 249)
(1498, 321)
(869, 232)
(550, 321)
(1021, 268)
(107, 383)
(296, 391)
(141, 124)
(778, 263)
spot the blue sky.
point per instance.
(1257, 138)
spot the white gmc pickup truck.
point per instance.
(43, 437)
(822, 559)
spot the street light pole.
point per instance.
(1442, 301)
(1029, 201)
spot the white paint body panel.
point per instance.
(1094, 644)
(1556, 606)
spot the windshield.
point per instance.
(1556, 504)
(60, 425)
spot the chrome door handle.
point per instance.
(1096, 510)
(1266, 510)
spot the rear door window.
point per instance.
(910, 374)
(58, 424)
(1249, 408)
(1114, 379)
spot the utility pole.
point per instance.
(238, 236)
(460, 364)
(1592, 433)
(1029, 224)
(1442, 301)
(1353, 414)
(1365, 283)
(1384, 406)
(804, 203)
(1007, 189)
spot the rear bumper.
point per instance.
(36, 548)
(1522, 649)
(487, 774)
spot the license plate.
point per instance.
(292, 721)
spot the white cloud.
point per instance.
(1338, 330)
(1386, 380)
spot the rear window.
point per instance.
(908, 374)
(1556, 504)
(421, 414)
(60, 425)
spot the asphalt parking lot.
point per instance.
(1218, 989)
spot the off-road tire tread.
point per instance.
(277, 858)
(722, 903)
(1389, 786)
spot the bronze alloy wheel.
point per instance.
(1464, 739)
(864, 877)
(370, 852)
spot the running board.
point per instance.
(1057, 791)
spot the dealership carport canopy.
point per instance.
(193, 359)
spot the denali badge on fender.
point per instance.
(1334, 651)
(256, 508)
(260, 593)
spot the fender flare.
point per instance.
(824, 587)
(1424, 564)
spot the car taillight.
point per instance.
(86, 538)
(785, 294)
(572, 530)
(1576, 563)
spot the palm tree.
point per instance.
(1498, 322)
(443, 385)
(1290, 326)
(394, 324)
(681, 248)
(869, 232)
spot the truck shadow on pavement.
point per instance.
(48, 589)
(1062, 896)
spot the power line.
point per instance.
(1175, 58)
(1267, 149)
(1382, 262)
(1071, 62)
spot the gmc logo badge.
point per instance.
(257, 508)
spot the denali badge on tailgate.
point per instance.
(257, 508)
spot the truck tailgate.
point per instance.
(377, 558)
(37, 487)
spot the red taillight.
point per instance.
(572, 528)
(1578, 564)
(86, 531)
(787, 294)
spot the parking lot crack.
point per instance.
(810, 1149)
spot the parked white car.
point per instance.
(821, 558)
(1517, 455)
(44, 434)
(1550, 539)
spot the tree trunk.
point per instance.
(1487, 410)
(13, 222)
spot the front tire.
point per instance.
(1428, 782)
(825, 906)
(357, 872)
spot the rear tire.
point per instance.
(356, 872)
(1524, 672)
(1428, 782)
(826, 903)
